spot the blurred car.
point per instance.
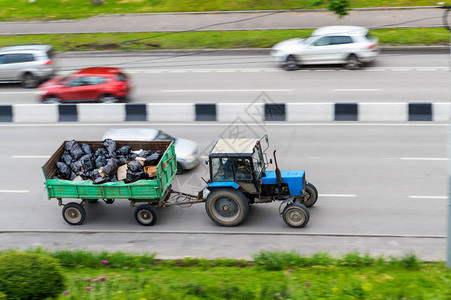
(28, 64)
(187, 151)
(102, 84)
(348, 45)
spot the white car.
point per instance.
(27, 64)
(348, 45)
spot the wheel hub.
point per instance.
(226, 207)
(295, 216)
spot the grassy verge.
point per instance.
(272, 275)
(212, 39)
(13, 10)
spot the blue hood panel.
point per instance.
(294, 179)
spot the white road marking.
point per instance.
(338, 195)
(17, 93)
(375, 69)
(356, 90)
(14, 191)
(428, 197)
(425, 158)
(216, 91)
(30, 156)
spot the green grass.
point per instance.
(73, 9)
(211, 39)
(272, 275)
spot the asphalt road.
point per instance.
(202, 77)
(383, 190)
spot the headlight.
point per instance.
(187, 158)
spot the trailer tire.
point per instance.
(296, 215)
(74, 213)
(146, 215)
(226, 207)
(312, 194)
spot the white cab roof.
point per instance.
(225, 146)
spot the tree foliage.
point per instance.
(339, 7)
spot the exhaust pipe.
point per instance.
(278, 175)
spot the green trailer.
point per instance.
(148, 193)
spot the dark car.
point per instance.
(99, 84)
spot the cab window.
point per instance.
(221, 169)
(242, 168)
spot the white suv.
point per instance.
(348, 45)
(27, 64)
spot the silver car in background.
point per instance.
(187, 151)
(348, 45)
(28, 64)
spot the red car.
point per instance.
(102, 84)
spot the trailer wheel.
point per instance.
(311, 195)
(74, 213)
(296, 215)
(226, 207)
(145, 215)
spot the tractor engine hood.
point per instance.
(294, 179)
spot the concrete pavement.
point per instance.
(240, 20)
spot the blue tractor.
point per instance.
(238, 178)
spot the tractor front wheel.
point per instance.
(226, 207)
(296, 215)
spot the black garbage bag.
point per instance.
(85, 175)
(135, 166)
(145, 153)
(152, 160)
(77, 166)
(64, 171)
(124, 150)
(67, 158)
(110, 146)
(113, 178)
(74, 148)
(97, 178)
(100, 161)
(86, 148)
(135, 176)
(101, 152)
(122, 160)
(131, 156)
(88, 162)
(111, 166)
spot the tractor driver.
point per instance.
(243, 170)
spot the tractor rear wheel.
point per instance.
(226, 207)
(296, 215)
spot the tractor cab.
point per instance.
(237, 163)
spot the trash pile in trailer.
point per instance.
(108, 163)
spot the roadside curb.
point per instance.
(226, 112)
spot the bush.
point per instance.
(30, 276)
